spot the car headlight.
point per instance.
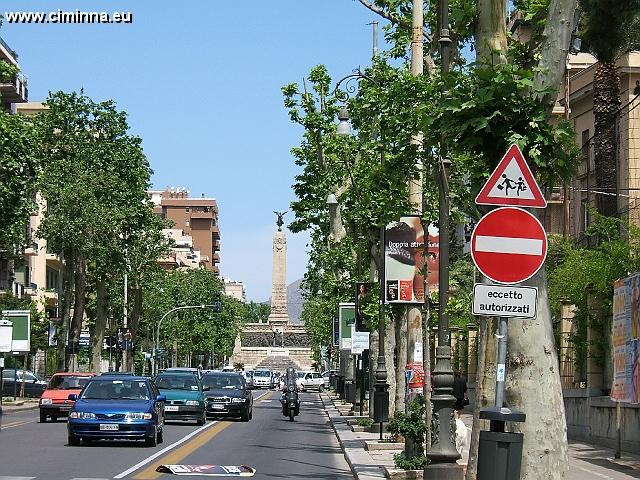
(84, 415)
(291, 388)
(192, 403)
(237, 400)
(138, 416)
(46, 401)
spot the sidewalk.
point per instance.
(19, 405)
(370, 460)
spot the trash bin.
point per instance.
(350, 392)
(499, 455)
(500, 452)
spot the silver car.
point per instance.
(262, 378)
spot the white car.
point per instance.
(262, 378)
(310, 381)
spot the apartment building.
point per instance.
(194, 217)
(235, 289)
(14, 89)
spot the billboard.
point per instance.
(21, 338)
(404, 259)
(347, 316)
(625, 329)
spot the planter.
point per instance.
(399, 474)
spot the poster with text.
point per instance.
(404, 259)
(625, 326)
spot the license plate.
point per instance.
(109, 426)
(217, 406)
(170, 408)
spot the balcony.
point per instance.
(14, 90)
(202, 214)
(216, 245)
(215, 231)
(54, 261)
(216, 258)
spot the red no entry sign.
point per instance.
(509, 245)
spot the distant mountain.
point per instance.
(295, 302)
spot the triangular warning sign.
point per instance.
(512, 184)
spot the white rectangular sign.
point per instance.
(359, 342)
(503, 301)
(6, 335)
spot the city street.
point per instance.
(275, 447)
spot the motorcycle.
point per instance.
(289, 399)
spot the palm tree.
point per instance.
(611, 28)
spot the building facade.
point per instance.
(13, 89)
(196, 218)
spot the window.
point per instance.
(186, 223)
(187, 209)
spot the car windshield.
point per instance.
(262, 373)
(226, 382)
(300, 374)
(67, 382)
(116, 390)
(177, 382)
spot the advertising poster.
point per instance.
(433, 259)
(21, 319)
(347, 316)
(404, 257)
(625, 326)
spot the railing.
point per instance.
(9, 49)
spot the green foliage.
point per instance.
(255, 312)
(577, 275)
(610, 28)
(414, 463)
(410, 425)
(365, 422)
(18, 170)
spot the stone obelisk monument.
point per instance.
(279, 314)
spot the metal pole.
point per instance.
(502, 360)
(443, 452)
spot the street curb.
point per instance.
(7, 409)
(357, 458)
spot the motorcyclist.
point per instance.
(289, 388)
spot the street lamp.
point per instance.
(442, 453)
(381, 388)
(216, 306)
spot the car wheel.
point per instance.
(250, 413)
(201, 421)
(153, 440)
(43, 417)
(244, 416)
(161, 436)
(72, 440)
(54, 418)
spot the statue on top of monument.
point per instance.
(280, 222)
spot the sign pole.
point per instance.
(502, 360)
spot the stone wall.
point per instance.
(592, 418)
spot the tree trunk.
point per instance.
(606, 102)
(486, 355)
(401, 355)
(65, 309)
(134, 320)
(555, 47)
(491, 34)
(78, 309)
(100, 325)
(533, 386)
(392, 379)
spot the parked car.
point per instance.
(117, 407)
(54, 401)
(33, 384)
(184, 394)
(310, 381)
(228, 395)
(262, 378)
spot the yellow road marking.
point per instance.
(177, 455)
(188, 448)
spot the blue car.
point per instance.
(117, 407)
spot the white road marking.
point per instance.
(16, 478)
(522, 246)
(601, 475)
(170, 447)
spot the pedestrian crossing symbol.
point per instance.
(512, 184)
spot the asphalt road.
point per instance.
(275, 447)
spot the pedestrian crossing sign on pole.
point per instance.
(512, 184)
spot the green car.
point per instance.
(185, 396)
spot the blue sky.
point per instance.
(201, 83)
